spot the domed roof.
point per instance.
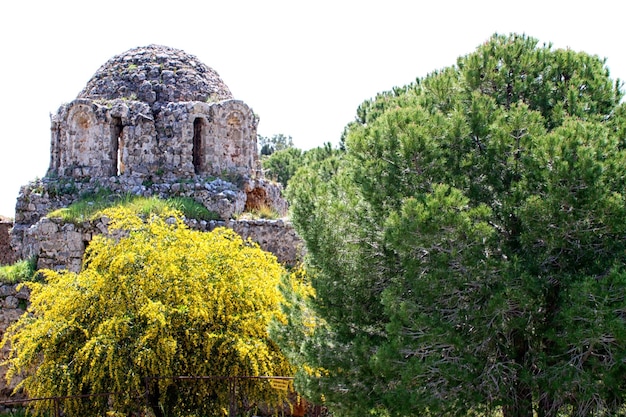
(156, 75)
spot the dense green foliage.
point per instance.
(467, 250)
(153, 299)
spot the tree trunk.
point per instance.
(521, 404)
(152, 397)
(547, 407)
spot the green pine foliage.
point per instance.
(467, 250)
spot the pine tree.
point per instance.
(467, 252)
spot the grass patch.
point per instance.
(90, 205)
(85, 207)
(192, 209)
(144, 206)
(20, 271)
(262, 212)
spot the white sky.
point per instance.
(304, 67)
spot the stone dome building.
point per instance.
(154, 111)
(152, 121)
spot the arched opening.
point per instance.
(198, 144)
(81, 142)
(117, 146)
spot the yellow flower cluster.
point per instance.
(154, 298)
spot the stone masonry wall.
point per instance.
(59, 245)
(86, 136)
(7, 254)
(40, 197)
(275, 236)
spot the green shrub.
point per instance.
(16, 412)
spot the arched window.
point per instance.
(198, 145)
(117, 146)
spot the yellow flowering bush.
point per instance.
(154, 298)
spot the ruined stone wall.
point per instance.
(7, 254)
(87, 134)
(45, 195)
(60, 245)
(226, 199)
(208, 139)
(275, 236)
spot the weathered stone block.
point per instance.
(11, 302)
